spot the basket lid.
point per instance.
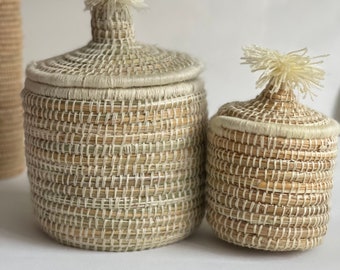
(276, 111)
(113, 58)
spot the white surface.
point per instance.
(214, 31)
(24, 246)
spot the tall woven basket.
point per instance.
(115, 139)
(271, 159)
(11, 130)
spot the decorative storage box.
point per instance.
(11, 130)
(115, 139)
(271, 159)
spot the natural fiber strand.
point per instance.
(11, 131)
(294, 70)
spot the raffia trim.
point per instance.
(95, 93)
(105, 82)
(218, 124)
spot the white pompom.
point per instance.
(294, 70)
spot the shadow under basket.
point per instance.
(115, 140)
(270, 169)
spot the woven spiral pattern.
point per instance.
(269, 192)
(11, 131)
(117, 174)
(114, 58)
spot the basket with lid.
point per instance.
(271, 159)
(115, 139)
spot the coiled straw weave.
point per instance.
(270, 168)
(11, 131)
(115, 165)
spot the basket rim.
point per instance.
(219, 123)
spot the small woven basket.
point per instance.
(115, 139)
(270, 162)
(11, 127)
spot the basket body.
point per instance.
(11, 131)
(270, 178)
(119, 173)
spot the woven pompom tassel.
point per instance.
(294, 70)
(271, 159)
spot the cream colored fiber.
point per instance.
(115, 139)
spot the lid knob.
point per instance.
(283, 73)
(111, 20)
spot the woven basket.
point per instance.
(115, 140)
(270, 166)
(11, 130)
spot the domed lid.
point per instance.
(114, 58)
(276, 111)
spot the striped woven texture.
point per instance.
(110, 168)
(11, 131)
(264, 191)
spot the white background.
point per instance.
(214, 31)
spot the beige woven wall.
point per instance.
(11, 131)
(213, 30)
